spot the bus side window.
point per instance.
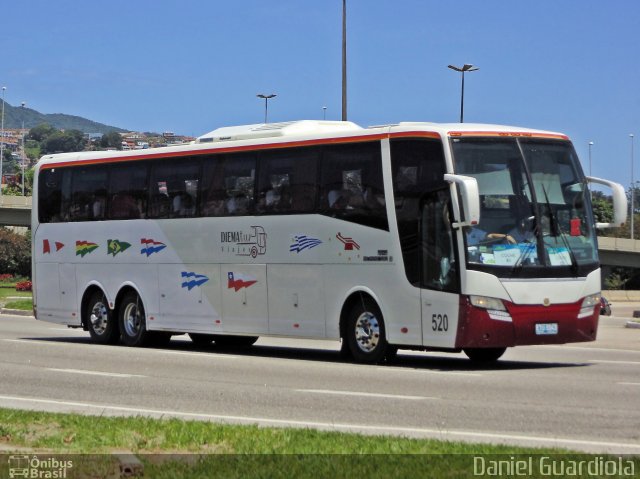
(174, 190)
(128, 191)
(50, 195)
(228, 184)
(288, 180)
(352, 187)
(88, 193)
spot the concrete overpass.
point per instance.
(619, 252)
(16, 211)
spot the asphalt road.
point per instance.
(584, 396)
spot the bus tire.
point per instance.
(201, 339)
(365, 333)
(484, 355)
(132, 321)
(100, 320)
(234, 342)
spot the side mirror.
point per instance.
(619, 202)
(468, 188)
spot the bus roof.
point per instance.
(297, 133)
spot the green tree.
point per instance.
(41, 132)
(111, 140)
(602, 207)
(63, 142)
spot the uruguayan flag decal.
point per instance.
(303, 242)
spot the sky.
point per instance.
(191, 66)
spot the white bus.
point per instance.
(445, 237)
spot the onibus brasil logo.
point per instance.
(23, 465)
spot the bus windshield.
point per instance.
(535, 217)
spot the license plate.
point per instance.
(546, 328)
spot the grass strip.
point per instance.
(21, 304)
(174, 448)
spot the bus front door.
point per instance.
(439, 275)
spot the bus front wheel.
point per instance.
(100, 321)
(484, 355)
(365, 333)
(132, 321)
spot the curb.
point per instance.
(16, 312)
(633, 325)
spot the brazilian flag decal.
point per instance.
(115, 246)
(83, 248)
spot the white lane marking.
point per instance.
(142, 350)
(96, 373)
(583, 348)
(363, 394)
(630, 384)
(438, 433)
(613, 362)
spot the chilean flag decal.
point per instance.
(237, 281)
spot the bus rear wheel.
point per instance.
(100, 321)
(132, 321)
(365, 333)
(484, 355)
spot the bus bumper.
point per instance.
(524, 325)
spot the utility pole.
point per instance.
(344, 60)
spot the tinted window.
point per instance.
(288, 181)
(50, 195)
(88, 197)
(174, 188)
(418, 168)
(352, 187)
(128, 191)
(228, 185)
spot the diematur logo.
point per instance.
(23, 465)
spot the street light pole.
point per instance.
(590, 145)
(4, 88)
(23, 154)
(266, 103)
(464, 68)
(632, 186)
(344, 60)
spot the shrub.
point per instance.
(6, 278)
(24, 286)
(15, 253)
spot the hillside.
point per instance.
(15, 115)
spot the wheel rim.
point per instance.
(367, 332)
(99, 318)
(132, 320)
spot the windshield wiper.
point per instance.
(530, 248)
(556, 230)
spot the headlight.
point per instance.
(485, 302)
(494, 306)
(588, 303)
